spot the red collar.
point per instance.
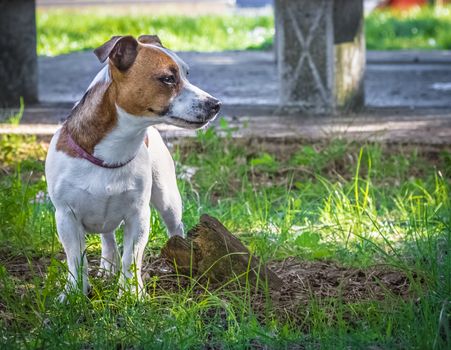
(94, 160)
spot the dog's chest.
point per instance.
(103, 209)
(104, 202)
(100, 198)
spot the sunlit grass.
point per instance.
(64, 31)
(358, 204)
(420, 28)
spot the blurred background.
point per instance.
(230, 47)
(214, 25)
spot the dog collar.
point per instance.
(89, 157)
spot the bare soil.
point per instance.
(325, 282)
(304, 282)
(304, 279)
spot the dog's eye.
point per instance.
(168, 79)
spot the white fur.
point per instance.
(101, 77)
(89, 198)
(124, 141)
(184, 106)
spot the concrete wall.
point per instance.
(320, 50)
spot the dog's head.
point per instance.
(151, 82)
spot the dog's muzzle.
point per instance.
(212, 107)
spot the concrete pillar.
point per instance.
(321, 54)
(18, 58)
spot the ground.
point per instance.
(359, 233)
(396, 79)
(414, 109)
(351, 211)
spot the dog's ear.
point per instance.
(150, 39)
(121, 50)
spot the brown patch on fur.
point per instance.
(62, 143)
(93, 118)
(139, 90)
(150, 39)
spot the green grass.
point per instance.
(64, 31)
(426, 28)
(356, 204)
(202, 33)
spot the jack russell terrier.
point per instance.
(107, 163)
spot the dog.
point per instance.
(107, 163)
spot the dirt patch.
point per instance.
(326, 279)
(303, 281)
(24, 268)
(324, 282)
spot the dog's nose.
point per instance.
(214, 105)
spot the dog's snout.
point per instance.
(214, 105)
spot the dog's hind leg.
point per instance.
(110, 255)
(165, 194)
(72, 237)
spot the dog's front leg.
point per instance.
(72, 237)
(165, 193)
(110, 255)
(166, 199)
(136, 234)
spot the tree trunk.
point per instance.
(18, 59)
(210, 250)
